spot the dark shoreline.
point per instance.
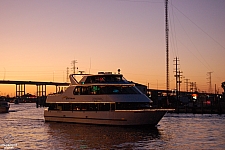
(199, 111)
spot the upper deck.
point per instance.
(104, 87)
(101, 78)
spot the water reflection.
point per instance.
(176, 131)
(78, 136)
(193, 131)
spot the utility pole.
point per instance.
(195, 87)
(67, 74)
(177, 74)
(192, 87)
(209, 78)
(167, 49)
(186, 81)
(73, 63)
(178, 81)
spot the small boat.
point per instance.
(4, 106)
(16, 101)
(104, 99)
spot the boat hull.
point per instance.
(4, 109)
(149, 117)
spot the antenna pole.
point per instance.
(210, 81)
(73, 63)
(67, 74)
(167, 48)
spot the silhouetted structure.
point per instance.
(188, 102)
(41, 89)
(223, 86)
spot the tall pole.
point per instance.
(74, 66)
(67, 74)
(176, 75)
(210, 81)
(177, 85)
(167, 48)
(179, 82)
(186, 81)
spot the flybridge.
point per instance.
(97, 78)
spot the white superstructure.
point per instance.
(106, 99)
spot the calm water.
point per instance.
(25, 127)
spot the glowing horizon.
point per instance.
(39, 39)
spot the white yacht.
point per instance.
(105, 99)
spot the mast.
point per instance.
(167, 47)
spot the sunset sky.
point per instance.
(39, 39)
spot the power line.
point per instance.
(199, 27)
(173, 33)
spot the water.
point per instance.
(24, 126)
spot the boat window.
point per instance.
(98, 106)
(104, 107)
(118, 90)
(112, 106)
(132, 106)
(82, 90)
(105, 79)
(52, 107)
(67, 107)
(95, 90)
(59, 106)
(101, 89)
(81, 107)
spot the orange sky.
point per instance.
(39, 39)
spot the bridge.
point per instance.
(41, 86)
